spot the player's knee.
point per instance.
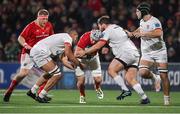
(111, 72)
(46, 75)
(143, 72)
(55, 72)
(98, 79)
(80, 84)
(23, 73)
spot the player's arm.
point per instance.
(95, 47)
(77, 52)
(23, 43)
(151, 34)
(65, 62)
(70, 55)
(132, 34)
(136, 31)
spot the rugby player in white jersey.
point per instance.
(41, 53)
(153, 47)
(126, 56)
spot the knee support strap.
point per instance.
(162, 70)
(143, 67)
(55, 71)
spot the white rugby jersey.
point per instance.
(151, 44)
(117, 38)
(55, 43)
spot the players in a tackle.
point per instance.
(126, 56)
(92, 62)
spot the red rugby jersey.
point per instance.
(85, 40)
(33, 33)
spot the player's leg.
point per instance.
(80, 76)
(130, 76)
(145, 72)
(81, 88)
(96, 73)
(42, 80)
(26, 65)
(55, 74)
(162, 64)
(97, 86)
(162, 68)
(115, 66)
(41, 87)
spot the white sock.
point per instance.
(166, 100)
(34, 88)
(120, 81)
(139, 90)
(42, 93)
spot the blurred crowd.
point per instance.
(82, 16)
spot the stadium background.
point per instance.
(82, 16)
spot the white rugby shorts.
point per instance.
(92, 64)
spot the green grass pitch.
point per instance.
(66, 101)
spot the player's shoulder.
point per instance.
(154, 19)
(86, 35)
(61, 34)
(49, 23)
(30, 25)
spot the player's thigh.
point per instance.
(26, 62)
(115, 66)
(131, 74)
(24, 72)
(94, 63)
(80, 79)
(95, 67)
(79, 72)
(161, 57)
(49, 66)
(144, 66)
(98, 78)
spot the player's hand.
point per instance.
(67, 63)
(80, 54)
(70, 65)
(139, 34)
(130, 34)
(25, 45)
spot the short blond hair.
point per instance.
(43, 12)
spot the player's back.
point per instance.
(55, 43)
(117, 37)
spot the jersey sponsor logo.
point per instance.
(43, 35)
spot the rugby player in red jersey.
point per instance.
(92, 62)
(32, 33)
